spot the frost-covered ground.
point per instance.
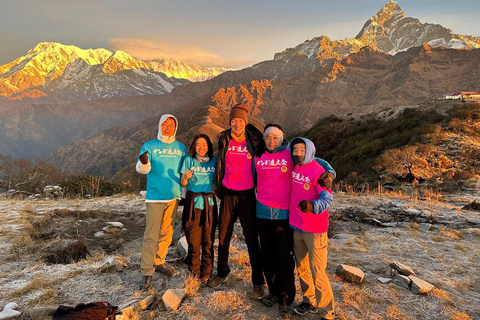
(367, 232)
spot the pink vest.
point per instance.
(305, 187)
(238, 167)
(274, 179)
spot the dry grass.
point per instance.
(192, 284)
(457, 315)
(28, 239)
(445, 257)
(413, 226)
(394, 313)
(227, 302)
(39, 283)
(354, 297)
(47, 297)
(361, 242)
(19, 245)
(451, 233)
(239, 258)
(440, 294)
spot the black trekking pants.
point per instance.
(276, 241)
(241, 205)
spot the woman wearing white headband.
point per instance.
(274, 175)
(274, 179)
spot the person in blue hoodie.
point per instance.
(161, 160)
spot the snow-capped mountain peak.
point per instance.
(51, 66)
(390, 30)
(391, 12)
(51, 69)
(185, 70)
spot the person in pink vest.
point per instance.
(273, 170)
(308, 215)
(235, 188)
(273, 167)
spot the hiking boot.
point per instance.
(304, 308)
(258, 292)
(165, 269)
(270, 300)
(216, 281)
(146, 283)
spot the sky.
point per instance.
(221, 33)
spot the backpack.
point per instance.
(89, 311)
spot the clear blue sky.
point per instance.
(209, 32)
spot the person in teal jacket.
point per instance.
(200, 214)
(161, 160)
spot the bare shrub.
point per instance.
(192, 284)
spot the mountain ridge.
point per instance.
(185, 70)
(299, 85)
(365, 81)
(42, 70)
(390, 30)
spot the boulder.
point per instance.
(402, 269)
(177, 232)
(182, 247)
(350, 273)
(402, 281)
(172, 298)
(36, 313)
(111, 265)
(109, 238)
(114, 224)
(110, 229)
(384, 280)
(419, 286)
(53, 192)
(10, 311)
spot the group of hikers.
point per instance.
(278, 190)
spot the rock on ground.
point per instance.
(172, 298)
(350, 273)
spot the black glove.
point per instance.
(326, 180)
(306, 206)
(144, 158)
